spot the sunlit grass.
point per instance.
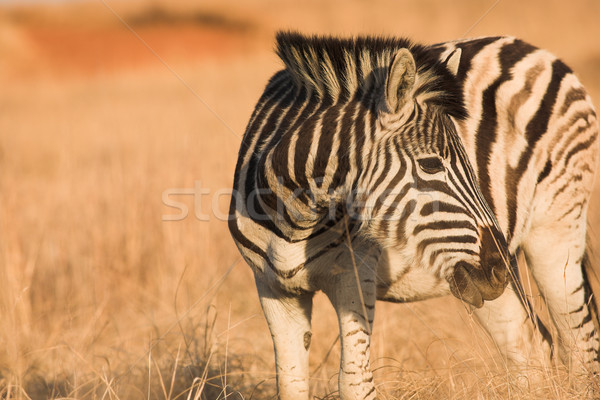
(102, 299)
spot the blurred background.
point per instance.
(118, 282)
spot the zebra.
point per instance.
(374, 168)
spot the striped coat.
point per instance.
(375, 168)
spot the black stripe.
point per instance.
(444, 225)
(408, 210)
(468, 51)
(344, 149)
(469, 174)
(285, 144)
(508, 56)
(585, 320)
(245, 242)
(567, 184)
(276, 85)
(471, 198)
(578, 309)
(306, 135)
(265, 133)
(574, 94)
(359, 135)
(441, 206)
(273, 146)
(536, 127)
(589, 298)
(275, 126)
(387, 156)
(580, 146)
(545, 172)
(329, 125)
(467, 195)
(436, 253)
(572, 122)
(272, 89)
(575, 206)
(563, 149)
(459, 239)
(591, 334)
(392, 208)
(280, 151)
(393, 185)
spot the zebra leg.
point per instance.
(352, 292)
(508, 322)
(289, 322)
(555, 253)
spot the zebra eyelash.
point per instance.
(431, 165)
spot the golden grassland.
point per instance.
(103, 299)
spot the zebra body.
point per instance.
(532, 138)
(377, 169)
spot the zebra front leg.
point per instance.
(352, 293)
(288, 318)
(507, 321)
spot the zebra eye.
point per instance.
(431, 165)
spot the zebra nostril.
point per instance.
(499, 275)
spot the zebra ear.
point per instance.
(453, 61)
(400, 80)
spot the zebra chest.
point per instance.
(400, 281)
(301, 266)
(290, 265)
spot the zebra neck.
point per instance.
(314, 188)
(296, 206)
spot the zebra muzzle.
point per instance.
(474, 285)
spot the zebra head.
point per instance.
(424, 200)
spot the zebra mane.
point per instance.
(341, 67)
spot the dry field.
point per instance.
(108, 107)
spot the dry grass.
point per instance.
(102, 299)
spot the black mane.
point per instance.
(340, 67)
